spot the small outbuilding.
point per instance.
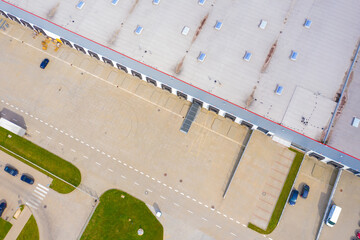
(12, 127)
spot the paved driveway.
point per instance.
(347, 196)
(302, 220)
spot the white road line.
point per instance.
(218, 226)
(37, 196)
(110, 170)
(35, 199)
(200, 203)
(123, 176)
(92, 147)
(98, 150)
(119, 161)
(237, 222)
(130, 167)
(190, 211)
(77, 139)
(98, 163)
(30, 205)
(141, 173)
(56, 129)
(162, 197)
(51, 126)
(147, 176)
(61, 131)
(206, 206)
(43, 195)
(37, 131)
(124, 164)
(26, 113)
(158, 181)
(218, 212)
(82, 142)
(188, 196)
(231, 219)
(71, 136)
(66, 134)
(108, 156)
(194, 199)
(46, 123)
(176, 190)
(31, 115)
(170, 188)
(164, 185)
(85, 157)
(176, 204)
(204, 219)
(87, 145)
(136, 183)
(233, 234)
(41, 121)
(61, 144)
(153, 179)
(136, 170)
(36, 118)
(114, 159)
(42, 186)
(182, 193)
(102, 153)
(148, 190)
(72, 150)
(243, 225)
(33, 202)
(41, 190)
(225, 215)
(49, 137)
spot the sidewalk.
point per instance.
(18, 224)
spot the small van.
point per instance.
(333, 215)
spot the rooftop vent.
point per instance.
(218, 25)
(279, 89)
(202, 2)
(80, 5)
(355, 122)
(114, 2)
(185, 30)
(156, 2)
(307, 23)
(247, 56)
(293, 55)
(138, 30)
(201, 57)
(262, 24)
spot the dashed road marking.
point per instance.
(204, 219)
(98, 163)
(162, 197)
(85, 157)
(233, 234)
(189, 211)
(218, 226)
(110, 170)
(73, 150)
(176, 204)
(136, 183)
(148, 190)
(123, 176)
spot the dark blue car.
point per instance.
(2, 208)
(27, 179)
(11, 170)
(305, 191)
(44, 63)
(293, 197)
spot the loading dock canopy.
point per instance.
(12, 127)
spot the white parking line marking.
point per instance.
(136, 170)
(218, 226)
(176, 204)
(43, 187)
(153, 179)
(176, 190)
(37, 131)
(124, 164)
(206, 206)
(43, 195)
(35, 199)
(102, 153)
(243, 225)
(108, 156)
(148, 190)
(119, 161)
(158, 181)
(87, 145)
(136, 183)
(130, 167)
(225, 215)
(61, 131)
(218, 212)
(56, 129)
(233, 234)
(162, 197)
(51, 126)
(49, 137)
(141, 173)
(98, 163)
(85, 157)
(170, 188)
(188, 196)
(123, 176)
(71, 136)
(72, 150)
(77, 139)
(114, 159)
(164, 185)
(231, 219)
(110, 170)
(194, 199)
(204, 219)
(61, 144)
(200, 203)
(147, 176)
(182, 193)
(41, 190)
(189, 211)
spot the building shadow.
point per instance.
(13, 117)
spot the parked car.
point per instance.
(11, 170)
(2, 208)
(305, 191)
(293, 197)
(27, 179)
(44, 63)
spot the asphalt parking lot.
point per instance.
(302, 220)
(347, 196)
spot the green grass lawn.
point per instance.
(275, 217)
(43, 158)
(30, 230)
(120, 218)
(4, 228)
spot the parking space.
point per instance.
(259, 180)
(302, 220)
(347, 196)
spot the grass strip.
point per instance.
(275, 217)
(42, 158)
(30, 230)
(119, 216)
(4, 228)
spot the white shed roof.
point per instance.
(4, 123)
